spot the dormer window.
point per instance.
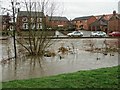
(25, 19)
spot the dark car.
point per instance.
(114, 34)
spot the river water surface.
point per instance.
(75, 60)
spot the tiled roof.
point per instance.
(97, 23)
(117, 16)
(26, 13)
(82, 18)
(107, 16)
(58, 18)
(100, 21)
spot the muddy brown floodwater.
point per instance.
(75, 60)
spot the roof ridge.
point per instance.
(84, 16)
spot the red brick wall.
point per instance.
(106, 17)
(114, 25)
(19, 23)
(78, 23)
(56, 23)
(4, 23)
(85, 26)
(85, 23)
(90, 20)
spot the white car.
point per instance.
(98, 34)
(75, 33)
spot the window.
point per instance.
(32, 19)
(39, 19)
(60, 22)
(39, 26)
(57, 21)
(11, 28)
(85, 21)
(33, 26)
(53, 22)
(74, 21)
(25, 19)
(4, 26)
(25, 26)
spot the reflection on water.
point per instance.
(75, 60)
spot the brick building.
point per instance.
(83, 22)
(32, 20)
(100, 24)
(4, 22)
(56, 22)
(114, 22)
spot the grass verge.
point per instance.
(99, 78)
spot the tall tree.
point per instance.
(38, 39)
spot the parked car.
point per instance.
(75, 34)
(98, 34)
(114, 34)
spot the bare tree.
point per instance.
(38, 39)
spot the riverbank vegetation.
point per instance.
(99, 78)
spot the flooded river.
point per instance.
(78, 58)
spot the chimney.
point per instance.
(114, 12)
(7, 14)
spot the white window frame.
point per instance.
(33, 26)
(25, 25)
(85, 21)
(11, 28)
(39, 26)
(39, 19)
(24, 19)
(32, 19)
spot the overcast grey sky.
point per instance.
(78, 8)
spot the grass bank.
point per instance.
(99, 78)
